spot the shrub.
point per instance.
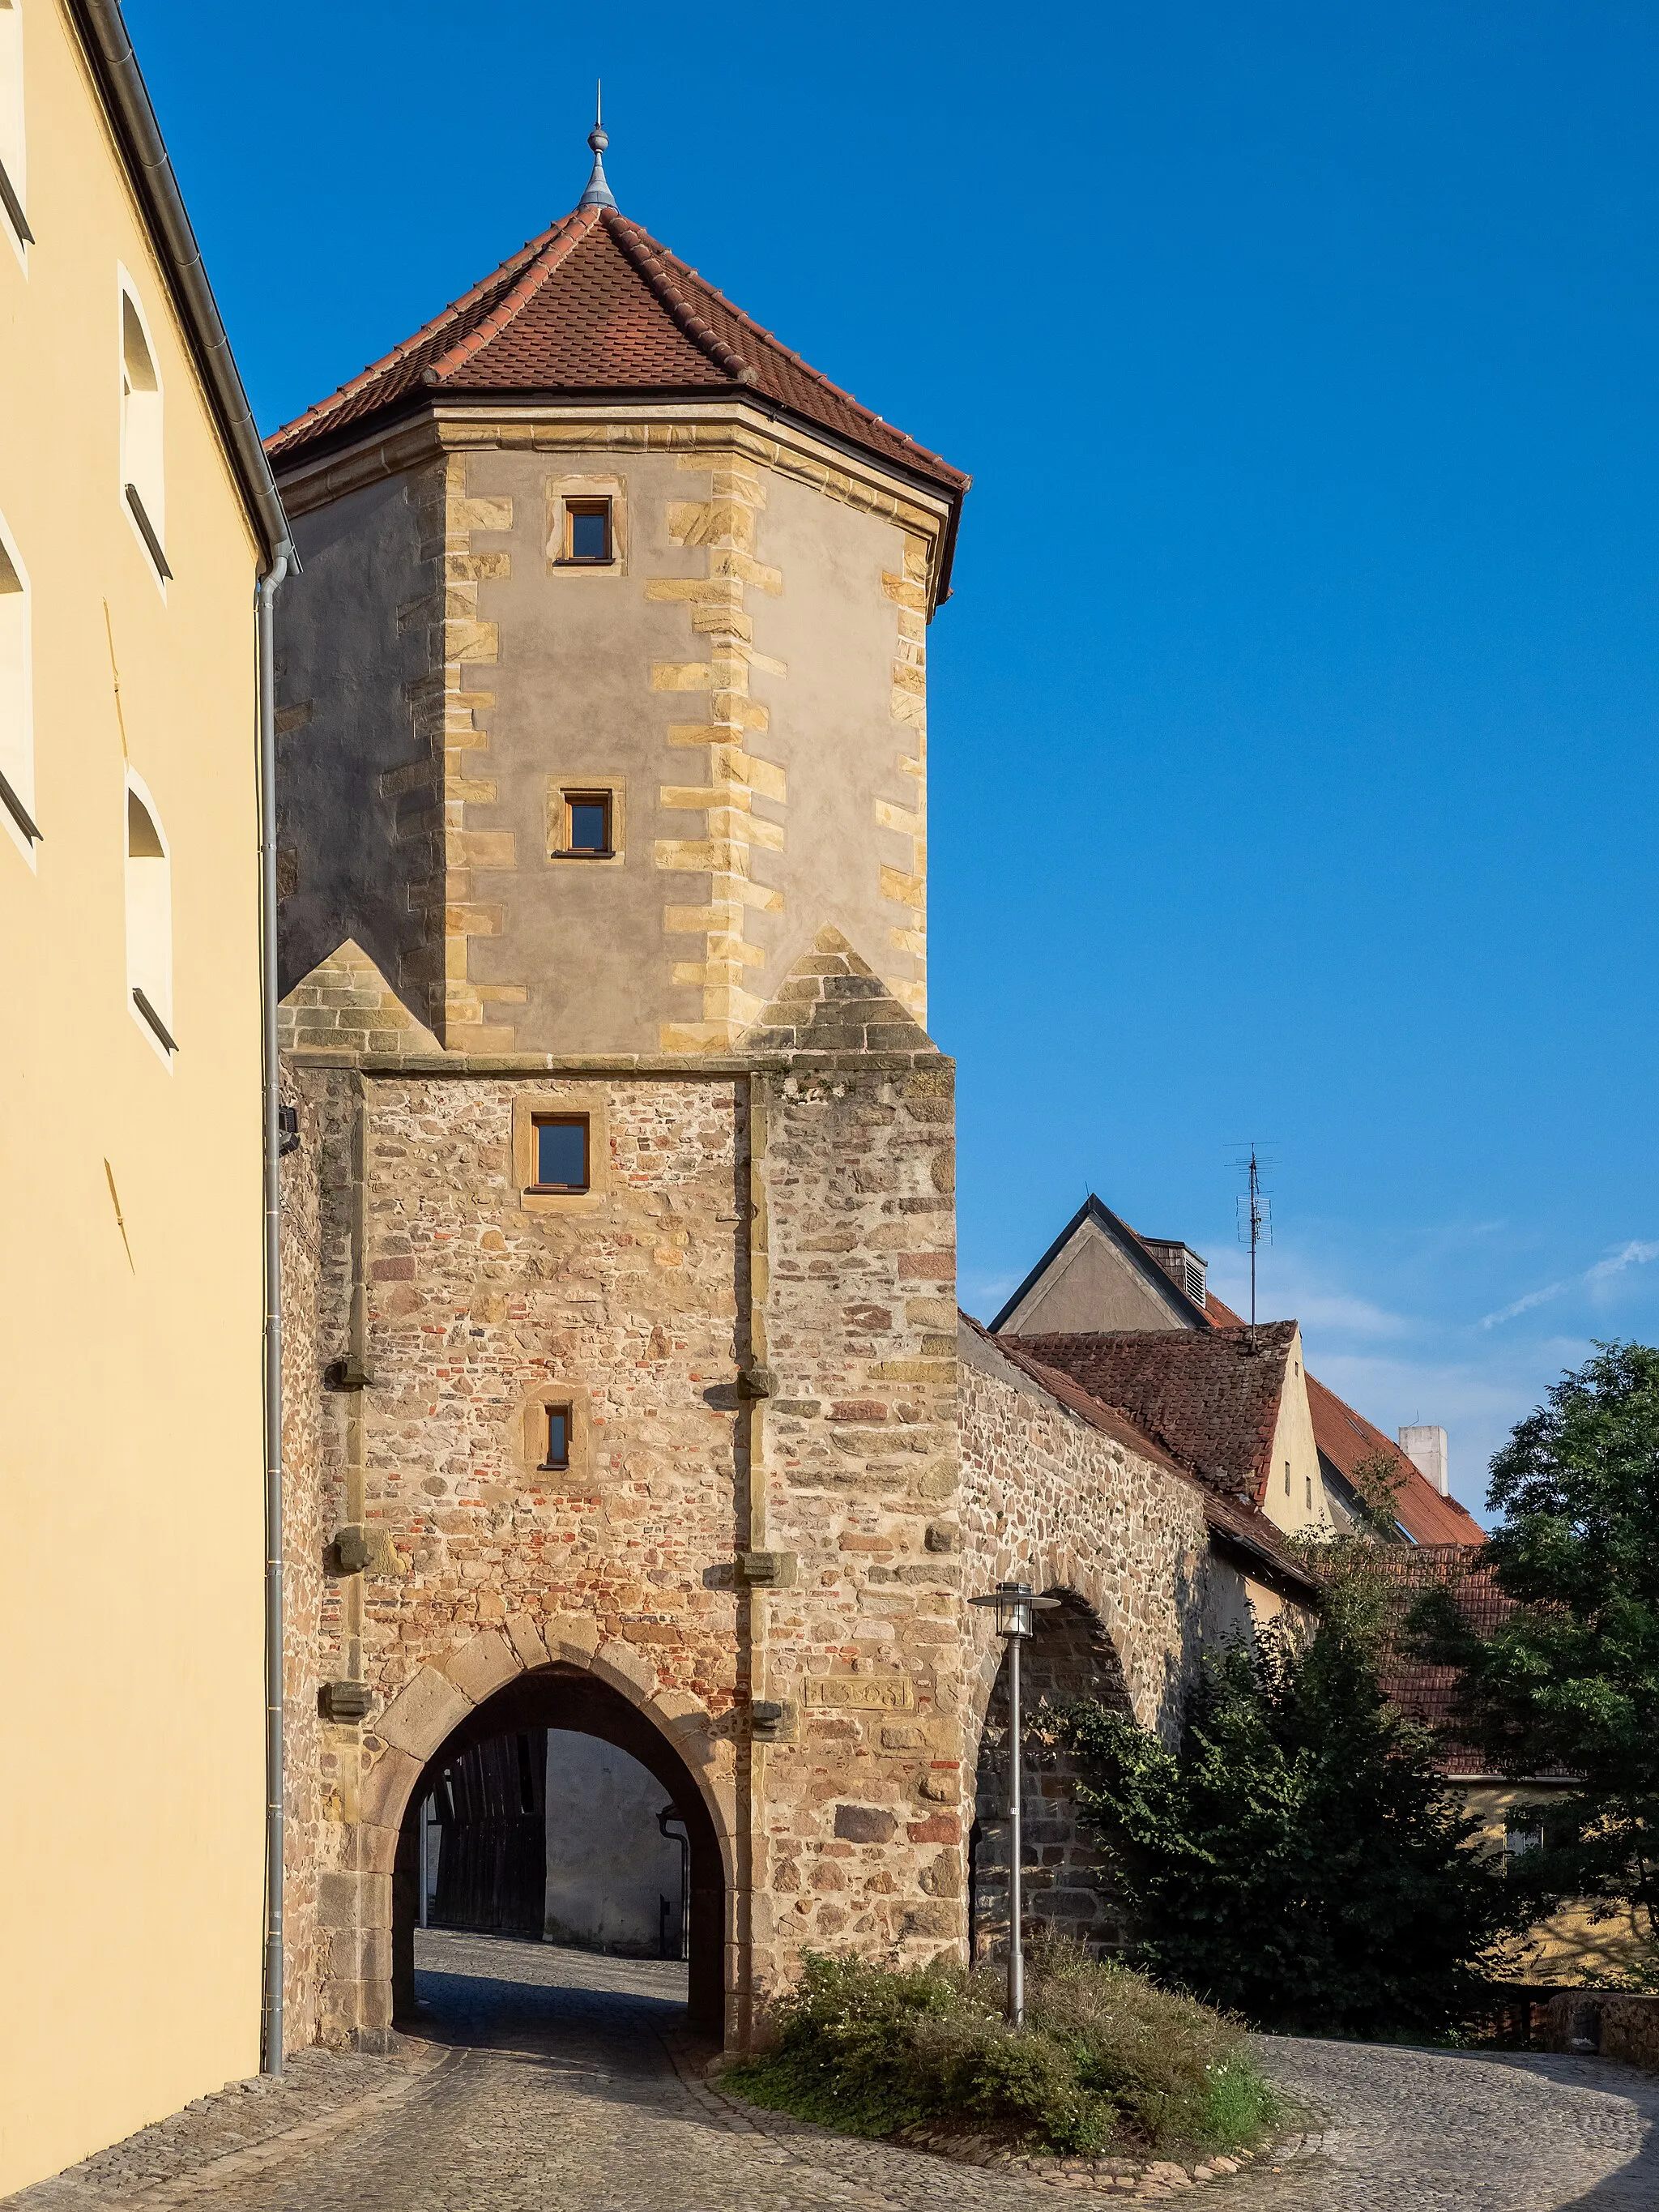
(1298, 1858)
(1104, 2058)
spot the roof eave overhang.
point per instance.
(109, 53)
(1265, 1565)
(429, 400)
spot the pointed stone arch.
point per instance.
(1072, 1656)
(358, 1905)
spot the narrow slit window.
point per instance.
(587, 529)
(560, 1152)
(150, 921)
(1287, 1478)
(14, 165)
(558, 1436)
(142, 482)
(587, 824)
(16, 708)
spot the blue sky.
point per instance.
(1292, 725)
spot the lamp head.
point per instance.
(1015, 1604)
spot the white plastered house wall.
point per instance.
(16, 694)
(142, 488)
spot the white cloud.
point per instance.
(1291, 1288)
(1633, 1255)
(1598, 1278)
(1523, 1305)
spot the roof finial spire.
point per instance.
(599, 193)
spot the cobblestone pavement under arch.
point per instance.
(548, 2080)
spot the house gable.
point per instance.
(1096, 1276)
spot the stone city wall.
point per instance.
(1049, 1499)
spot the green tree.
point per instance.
(1298, 1858)
(1569, 1680)
(1377, 1482)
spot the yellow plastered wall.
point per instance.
(1304, 1506)
(130, 1453)
(1583, 1944)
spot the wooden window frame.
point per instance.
(546, 1120)
(596, 503)
(597, 794)
(548, 1464)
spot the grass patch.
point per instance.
(1104, 2061)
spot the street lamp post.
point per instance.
(1014, 1605)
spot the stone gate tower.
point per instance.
(620, 1231)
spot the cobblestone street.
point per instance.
(547, 2079)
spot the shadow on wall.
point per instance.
(615, 1876)
(1070, 1656)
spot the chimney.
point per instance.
(1181, 1264)
(1426, 1450)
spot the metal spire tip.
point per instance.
(599, 193)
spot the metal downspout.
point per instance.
(270, 2019)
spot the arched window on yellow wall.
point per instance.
(150, 921)
(16, 702)
(143, 482)
(14, 162)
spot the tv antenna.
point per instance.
(1255, 1216)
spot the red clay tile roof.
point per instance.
(1429, 1693)
(1245, 1524)
(593, 304)
(1347, 1438)
(1209, 1398)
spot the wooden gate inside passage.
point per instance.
(490, 1804)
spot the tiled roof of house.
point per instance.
(1233, 1519)
(597, 305)
(1429, 1693)
(1347, 1438)
(1209, 1398)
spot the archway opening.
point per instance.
(557, 1812)
(1069, 1657)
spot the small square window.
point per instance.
(587, 824)
(558, 1436)
(561, 1152)
(587, 529)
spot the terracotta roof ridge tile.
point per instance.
(378, 369)
(796, 360)
(558, 248)
(649, 260)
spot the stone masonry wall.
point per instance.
(1048, 1499)
(305, 1530)
(1070, 1656)
(861, 1821)
(715, 1536)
